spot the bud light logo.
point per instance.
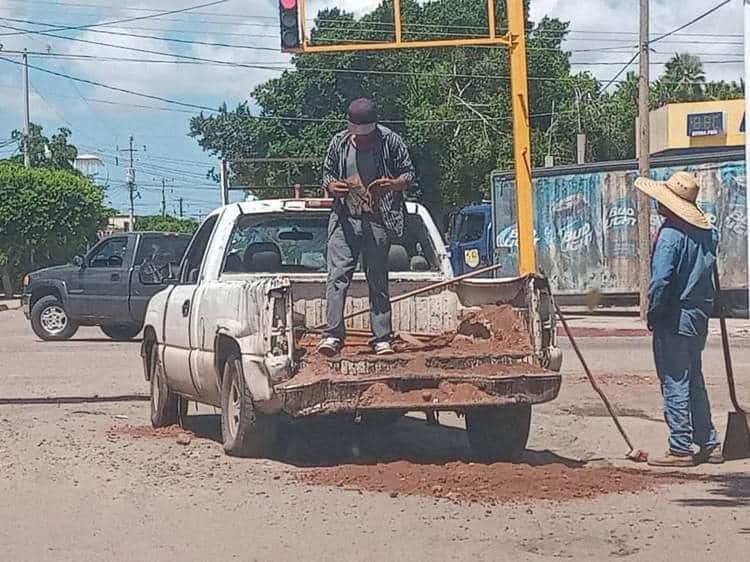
(573, 227)
(621, 215)
(508, 238)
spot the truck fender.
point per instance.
(45, 287)
(254, 367)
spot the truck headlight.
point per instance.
(26, 280)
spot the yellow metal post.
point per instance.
(397, 19)
(491, 17)
(519, 91)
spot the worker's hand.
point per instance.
(383, 185)
(338, 188)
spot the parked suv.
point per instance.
(103, 288)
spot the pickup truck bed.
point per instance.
(486, 362)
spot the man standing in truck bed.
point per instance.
(367, 171)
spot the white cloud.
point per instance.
(615, 25)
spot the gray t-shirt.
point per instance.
(363, 162)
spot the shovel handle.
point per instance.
(725, 345)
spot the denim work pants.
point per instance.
(686, 407)
(348, 238)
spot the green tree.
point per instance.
(45, 217)
(55, 153)
(157, 223)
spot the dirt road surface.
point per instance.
(82, 477)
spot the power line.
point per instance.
(691, 22)
(114, 22)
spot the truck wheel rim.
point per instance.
(53, 319)
(234, 408)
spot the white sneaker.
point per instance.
(383, 348)
(330, 347)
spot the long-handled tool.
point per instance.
(427, 289)
(737, 438)
(637, 455)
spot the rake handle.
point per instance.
(725, 345)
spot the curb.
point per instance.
(591, 332)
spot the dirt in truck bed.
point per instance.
(491, 341)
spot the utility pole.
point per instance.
(644, 165)
(181, 215)
(163, 198)
(27, 118)
(131, 186)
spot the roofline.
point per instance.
(624, 165)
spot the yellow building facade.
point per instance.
(705, 124)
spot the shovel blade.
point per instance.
(737, 438)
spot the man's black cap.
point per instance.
(362, 111)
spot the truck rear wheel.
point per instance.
(167, 408)
(120, 332)
(246, 433)
(50, 320)
(499, 434)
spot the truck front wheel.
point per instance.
(120, 332)
(499, 434)
(50, 320)
(246, 433)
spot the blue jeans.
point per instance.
(686, 407)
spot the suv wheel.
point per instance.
(120, 332)
(246, 433)
(50, 321)
(499, 434)
(167, 408)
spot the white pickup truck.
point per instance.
(226, 332)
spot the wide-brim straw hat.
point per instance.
(678, 194)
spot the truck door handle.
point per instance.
(186, 308)
(114, 277)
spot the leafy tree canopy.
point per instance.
(158, 223)
(55, 153)
(45, 217)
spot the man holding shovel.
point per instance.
(367, 171)
(681, 299)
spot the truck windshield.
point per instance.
(296, 243)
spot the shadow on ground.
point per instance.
(331, 442)
(727, 490)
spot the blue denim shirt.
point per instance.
(681, 293)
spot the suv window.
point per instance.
(191, 266)
(297, 243)
(472, 228)
(161, 249)
(109, 253)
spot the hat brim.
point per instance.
(362, 128)
(687, 211)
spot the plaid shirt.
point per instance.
(394, 162)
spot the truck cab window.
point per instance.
(191, 265)
(161, 249)
(109, 253)
(472, 228)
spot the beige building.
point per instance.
(697, 125)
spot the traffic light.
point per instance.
(289, 21)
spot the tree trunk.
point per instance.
(7, 283)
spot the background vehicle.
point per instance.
(227, 332)
(587, 224)
(103, 288)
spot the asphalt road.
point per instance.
(78, 481)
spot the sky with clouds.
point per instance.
(603, 32)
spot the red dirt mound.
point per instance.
(486, 484)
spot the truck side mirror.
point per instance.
(78, 261)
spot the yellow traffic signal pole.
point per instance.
(515, 39)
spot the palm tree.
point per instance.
(684, 78)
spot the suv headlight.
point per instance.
(26, 280)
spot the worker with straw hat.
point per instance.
(681, 298)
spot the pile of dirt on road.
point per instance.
(485, 484)
(140, 431)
